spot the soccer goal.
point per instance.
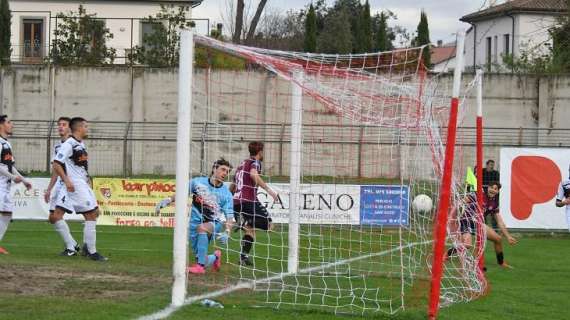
(350, 142)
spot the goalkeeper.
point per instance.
(212, 210)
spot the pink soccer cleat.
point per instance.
(3, 251)
(218, 263)
(196, 269)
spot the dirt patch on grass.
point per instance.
(44, 281)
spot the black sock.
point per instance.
(500, 258)
(451, 251)
(246, 244)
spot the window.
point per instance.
(488, 58)
(33, 40)
(495, 49)
(507, 44)
(148, 28)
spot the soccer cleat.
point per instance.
(505, 265)
(68, 253)
(196, 269)
(245, 261)
(97, 257)
(218, 263)
(3, 251)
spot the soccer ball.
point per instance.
(422, 203)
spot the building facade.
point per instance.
(34, 23)
(510, 29)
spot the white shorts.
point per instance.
(82, 200)
(56, 191)
(6, 203)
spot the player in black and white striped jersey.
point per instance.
(563, 197)
(8, 174)
(71, 165)
(55, 189)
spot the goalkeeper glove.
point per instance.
(162, 204)
(223, 238)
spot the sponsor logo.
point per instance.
(106, 192)
(149, 188)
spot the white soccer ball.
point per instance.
(422, 203)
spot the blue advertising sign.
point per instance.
(384, 205)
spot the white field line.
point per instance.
(162, 314)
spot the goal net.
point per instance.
(350, 141)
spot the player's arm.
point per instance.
(14, 176)
(254, 174)
(58, 169)
(57, 166)
(561, 200)
(52, 181)
(22, 179)
(228, 208)
(504, 230)
(172, 199)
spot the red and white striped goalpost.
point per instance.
(440, 225)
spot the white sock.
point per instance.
(90, 236)
(63, 229)
(4, 222)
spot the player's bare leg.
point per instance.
(5, 218)
(498, 244)
(56, 219)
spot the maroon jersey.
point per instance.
(246, 187)
(490, 205)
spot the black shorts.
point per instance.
(252, 214)
(467, 226)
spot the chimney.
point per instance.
(439, 43)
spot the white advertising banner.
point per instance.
(320, 203)
(30, 204)
(530, 178)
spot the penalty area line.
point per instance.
(166, 312)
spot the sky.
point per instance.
(443, 15)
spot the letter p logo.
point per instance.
(534, 180)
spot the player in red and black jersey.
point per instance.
(250, 212)
(490, 206)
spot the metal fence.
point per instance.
(149, 148)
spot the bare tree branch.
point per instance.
(239, 21)
(255, 21)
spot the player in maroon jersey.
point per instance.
(252, 214)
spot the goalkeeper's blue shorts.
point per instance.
(193, 233)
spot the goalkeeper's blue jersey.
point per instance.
(210, 203)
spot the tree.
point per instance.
(241, 19)
(383, 42)
(353, 10)
(80, 39)
(561, 42)
(160, 48)
(255, 21)
(365, 32)
(5, 32)
(337, 37)
(423, 39)
(310, 43)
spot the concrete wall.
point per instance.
(230, 99)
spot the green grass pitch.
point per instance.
(35, 283)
